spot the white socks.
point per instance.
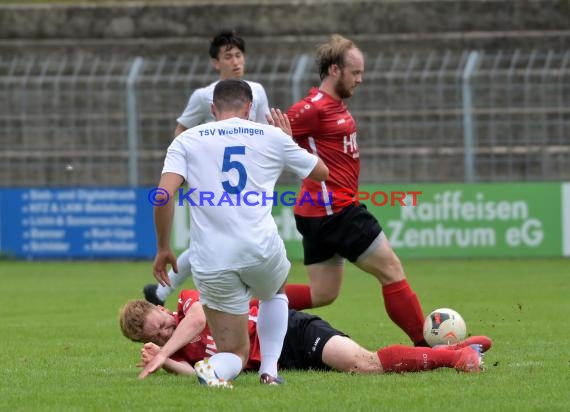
(226, 365)
(176, 279)
(272, 322)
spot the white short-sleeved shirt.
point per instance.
(198, 110)
(234, 163)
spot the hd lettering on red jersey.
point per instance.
(323, 125)
(350, 145)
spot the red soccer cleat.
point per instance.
(484, 343)
(470, 359)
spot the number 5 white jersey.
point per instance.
(231, 168)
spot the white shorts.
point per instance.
(231, 290)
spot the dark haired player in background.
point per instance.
(227, 54)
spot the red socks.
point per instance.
(399, 358)
(299, 297)
(403, 307)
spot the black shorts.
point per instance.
(349, 233)
(304, 342)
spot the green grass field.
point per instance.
(62, 350)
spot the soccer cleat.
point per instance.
(484, 343)
(150, 294)
(207, 376)
(267, 379)
(470, 359)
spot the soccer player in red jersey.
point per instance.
(183, 338)
(334, 226)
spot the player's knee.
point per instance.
(323, 298)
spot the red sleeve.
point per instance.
(304, 118)
(253, 311)
(186, 299)
(179, 356)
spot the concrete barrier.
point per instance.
(294, 26)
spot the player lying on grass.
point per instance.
(182, 338)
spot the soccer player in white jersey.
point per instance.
(231, 167)
(227, 53)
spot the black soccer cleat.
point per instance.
(267, 379)
(150, 294)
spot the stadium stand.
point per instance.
(86, 92)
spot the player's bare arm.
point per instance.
(163, 215)
(193, 323)
(320, 172)
(150, 350)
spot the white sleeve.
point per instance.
(175, 160)
(197, 111)
(297, 159)
(262, 106)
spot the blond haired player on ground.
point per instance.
(310, 343)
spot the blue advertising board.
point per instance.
(69, 223)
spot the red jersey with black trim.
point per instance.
(323, 126)
(203, 345)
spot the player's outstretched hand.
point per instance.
(280, 120)
(154, 365)
(159, 268)
(148, 352)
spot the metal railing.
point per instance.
(437, 117)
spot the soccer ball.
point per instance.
(444, 326)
